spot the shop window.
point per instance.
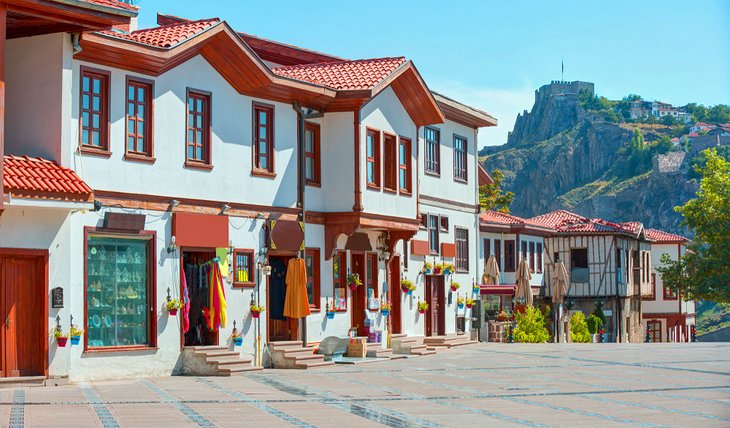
(444, 224)
(339, 281)
(404, 165)
(371, 274)
(312, 154)
(460, 159)
(433, 234)
(120, 300)
(94, 110)
(139, 118)
(312, 262)
(243, 268)
(390, 166)
(509, 256)
(433, 150)
(372, 156)
(198, 128)
(462, 250)
(654, 328)
(263, 139)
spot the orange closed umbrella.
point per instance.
(296, 303)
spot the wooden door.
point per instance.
(436, 320)
(280, 328)
(358, 296)
(394, 295)
(22, 303)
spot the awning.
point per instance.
(503, 289)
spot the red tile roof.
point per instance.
(166, 36)
(568, 222)
(344, 75)
(558, 218)
(113, 3)
(632, 226)
(36, 177)
(661, 236)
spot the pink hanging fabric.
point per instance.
(186, 301)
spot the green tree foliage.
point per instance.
(492, 197)
(703, 273)
(669, 120)
(531, 327)
(594, 323)
(716, 114)
(637, 154)
(624, 106)
(579, 328)
(599, 105)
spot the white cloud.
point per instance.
(504, 104)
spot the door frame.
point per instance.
(284, 255)
(440, 329)
(43, 256)
(361, 289)
(395, 295)
(181, 264)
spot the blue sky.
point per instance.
(493, 55)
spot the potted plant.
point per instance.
(256, 310)
(448, 268)
(422, 307)
(353, 280)
(469, 303)
(330, 314)
(438, 269)
(75, 334)
(385, 308)
(61, 337)
(460, 302)
(236, 337)
(411, 289)
(173, 305)
(406, 285)
(427, 268)
(502, 316)
(455, 286)
(594, 326)
(475, 288)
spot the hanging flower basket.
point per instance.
(469, 303)
(330, 315)
(75, 340)
(422, 307)
(385, 308)
(427, 268)
(406, 285)
(448, 268)
(60, 336)
(475, 289)
(238, 341)
(385, 312)
(460, 302)
(61, 341)
(437, 270)
(173, 305)
(455, 286)
(353, 280)
(75, 334)
(256, 310)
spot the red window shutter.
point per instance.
(448, 250)
(419, 248)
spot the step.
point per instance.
(312, 364)
(442, 339)
(228, 361)
(277, 346)
(293, 351)
(207, 347)
(422, 352)
(398, 336)
(22, 381)
(216, 353)
(380, 352)
(405, 340)
(236, 370)
(304, 357)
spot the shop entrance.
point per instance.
(196, 268)
(394, 295)
(280, 328)
(23, 315)
(359, 299)
(436, 319)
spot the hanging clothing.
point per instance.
(186, 301)
(296, 304)
(217, 299)
(277, 290)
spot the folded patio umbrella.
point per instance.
(560, 282)
(296, 302)
(491, 271)
(523, 283)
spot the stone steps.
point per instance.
(292, 355)
(215, 361)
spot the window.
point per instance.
(339, 281)
(390, 166)
(652, 296)
(444, 224)
(433, 150)
(523, 255)
(263, 139)
(312, 262)
(669, 294)
(372, 153)
(462, 250)
(487, 249)
(371, 281)
(94, 110)
(533, 265)
(405, 255)
(579, 265)
(404, 165)
(120, 298)
(539, 257)
(433, 234)
(654, 329)
(312, 169)
(198, 128)
(460, 173)
(498, 252)
(424, 221)
(139, 118)
(243, 268)
(509, 256)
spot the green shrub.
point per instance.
(594, 323)
(530, 327)
(579, 328)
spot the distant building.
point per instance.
(641, 109)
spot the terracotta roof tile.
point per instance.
(661, 236)
(37, 177)
(568, 222)
(343, 75)
(113, 3)
(557, 218)
(166, 36)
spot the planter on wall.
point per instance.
(61, 341)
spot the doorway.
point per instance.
(436, 319)
(394, 295)
(23, 314)
(280, 328)
(195, 266)
(359, 300)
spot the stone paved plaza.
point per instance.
(480, 385)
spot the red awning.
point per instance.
(504, 289)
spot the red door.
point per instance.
(358, 296)
(436, 320)
(394, 295)
(22, 317)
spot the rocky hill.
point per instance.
(562, 155)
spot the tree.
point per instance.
(668, 120)
(703, 273)
(492, 197)
(637, 154)
(531, 327)
(579, 328)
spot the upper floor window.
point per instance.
(139, 118)
(462, 249)
(94, 110)
(390, 167)
(509, 255)
(460, 158)
(404, 165)
(312, 169)
(198, 128)
(263, 141)
(433, 150)
(669, 294)
(579, 265)
(433, 234)
(372, 152)
(533, 265)
(538, 268)
(652, 296)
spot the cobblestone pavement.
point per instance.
(480, 385)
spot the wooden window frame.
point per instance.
(523, 252)
(372, 282)
(539, 257)
(443, 224)
(148, 121)
(510, 255)
(437, 228)
(390, 163)
(655, 330)
(252, 268)
(464, 160)
(432, 166)
(105, 77)
(424, 222)
(487, 248)
(533, 264)
(316, 278)
(461, 245)
(498, 252)
(374, 160)
(342, 281)
(316, 156)
(256, 170)
(668, 294)
(405, 255)
(405, 142)
(652, 296)
(207, 161)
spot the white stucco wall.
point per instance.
(510, 277)
(659, 305)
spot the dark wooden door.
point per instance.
(23, 339)
(358, 296)
(280, 328)
(394, 295)
(436, 319)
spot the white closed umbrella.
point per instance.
(524, 289)
(491, 271)
(560, 282)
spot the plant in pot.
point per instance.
(173, 305)
(329, 311)
(61, 337)
(502, 316)
(406, 285)
(411, 289)
(594, 326)
(353, 280)
(236, 337)
(256, 310)
(460, 302)
(438, 269)
(469, 303)
(579, 328)
(75, 334)
(448, 268)
(422, 307)
(385, 308)
(455, 286)
(475, 288)
(427, 268)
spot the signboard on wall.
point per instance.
(57, 297)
